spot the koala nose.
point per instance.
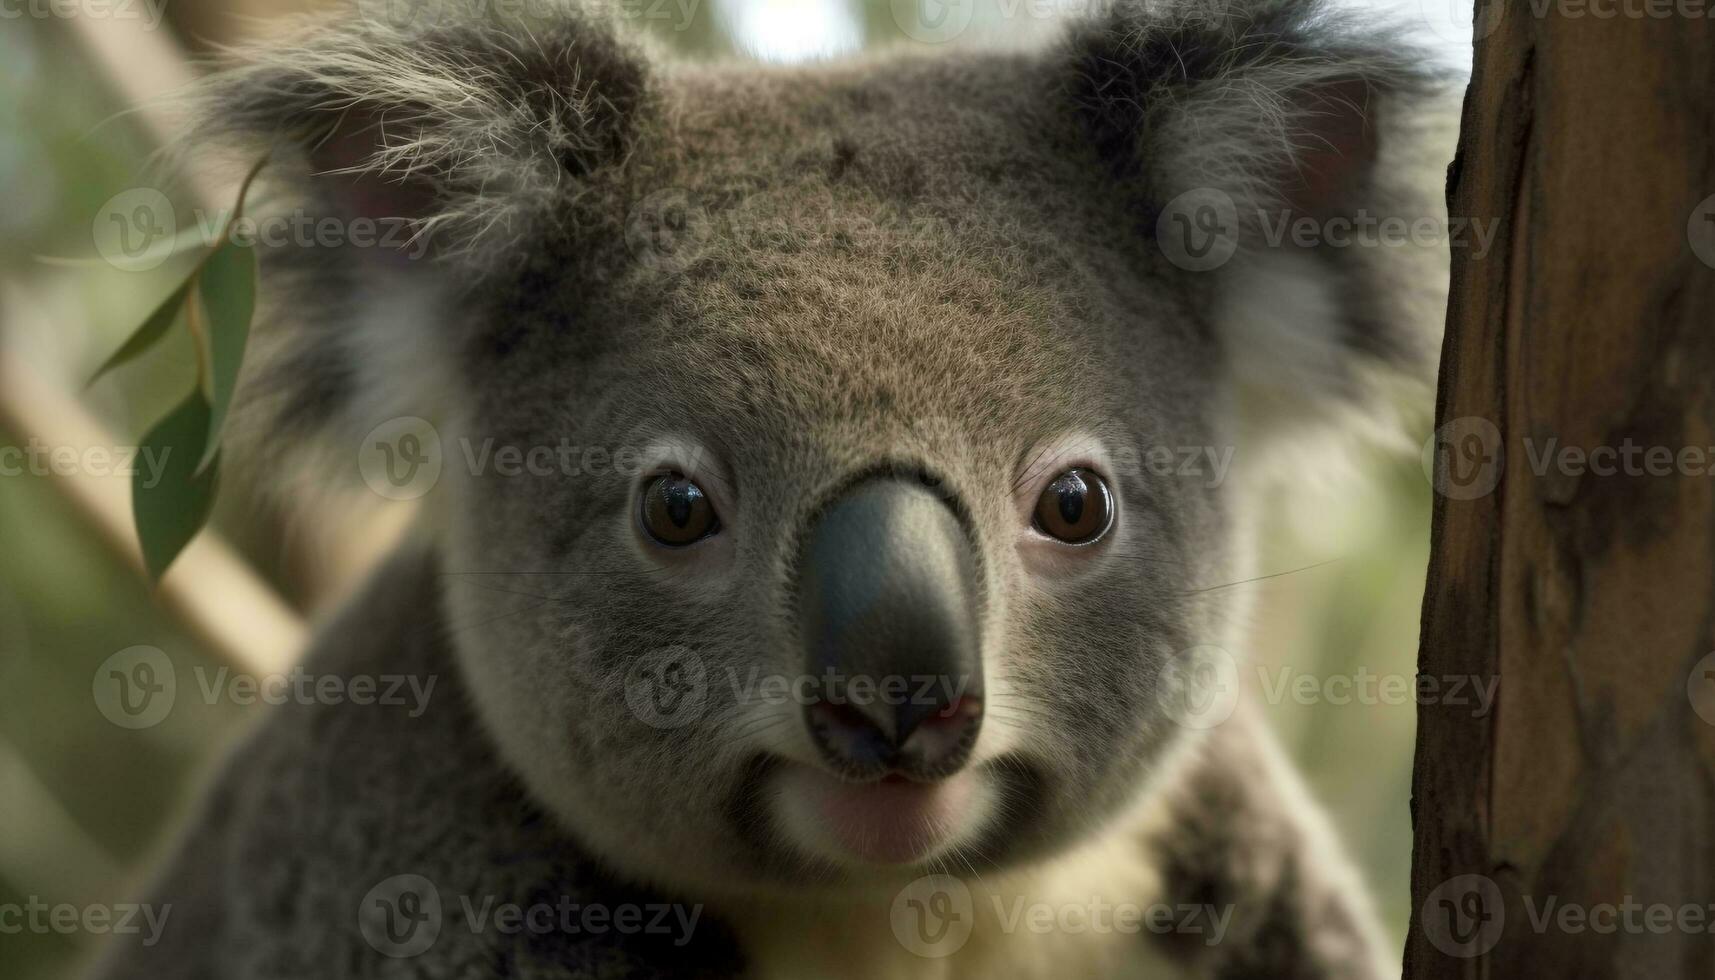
(887, 607)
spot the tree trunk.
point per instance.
(1571, 832)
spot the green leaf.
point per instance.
(152, 330)
(226, 288)
(171, 495)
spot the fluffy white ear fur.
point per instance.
(1289, 113)
(1284, 315)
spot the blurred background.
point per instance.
(85, 802)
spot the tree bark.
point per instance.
(1586, 584)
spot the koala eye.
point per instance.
(676, 512)
(1076, 507)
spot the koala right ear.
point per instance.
(457, 146)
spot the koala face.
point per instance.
(878, 547)
(792, 355)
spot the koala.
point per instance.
(853, 612)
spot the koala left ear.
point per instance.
(474, 128)
(458, 143)
(1298, 159)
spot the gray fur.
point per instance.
(926, 263)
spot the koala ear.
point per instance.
(430, 156)
(471, 128)
(1299, 161)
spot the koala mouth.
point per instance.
(891, 821)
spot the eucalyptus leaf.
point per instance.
(171, 498)
(150, 333)
(226, 288)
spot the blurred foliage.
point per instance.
(85, 803)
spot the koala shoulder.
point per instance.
(345, 839)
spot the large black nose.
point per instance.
(887, 606)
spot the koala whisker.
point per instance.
(532, 595)
(447, 632)
(761, 727)
(1150, 559)
(1031, 473)
(958, 853)
(1261, 578)
(610, 570)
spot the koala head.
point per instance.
(874, 417)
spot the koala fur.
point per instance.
(779, 280)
